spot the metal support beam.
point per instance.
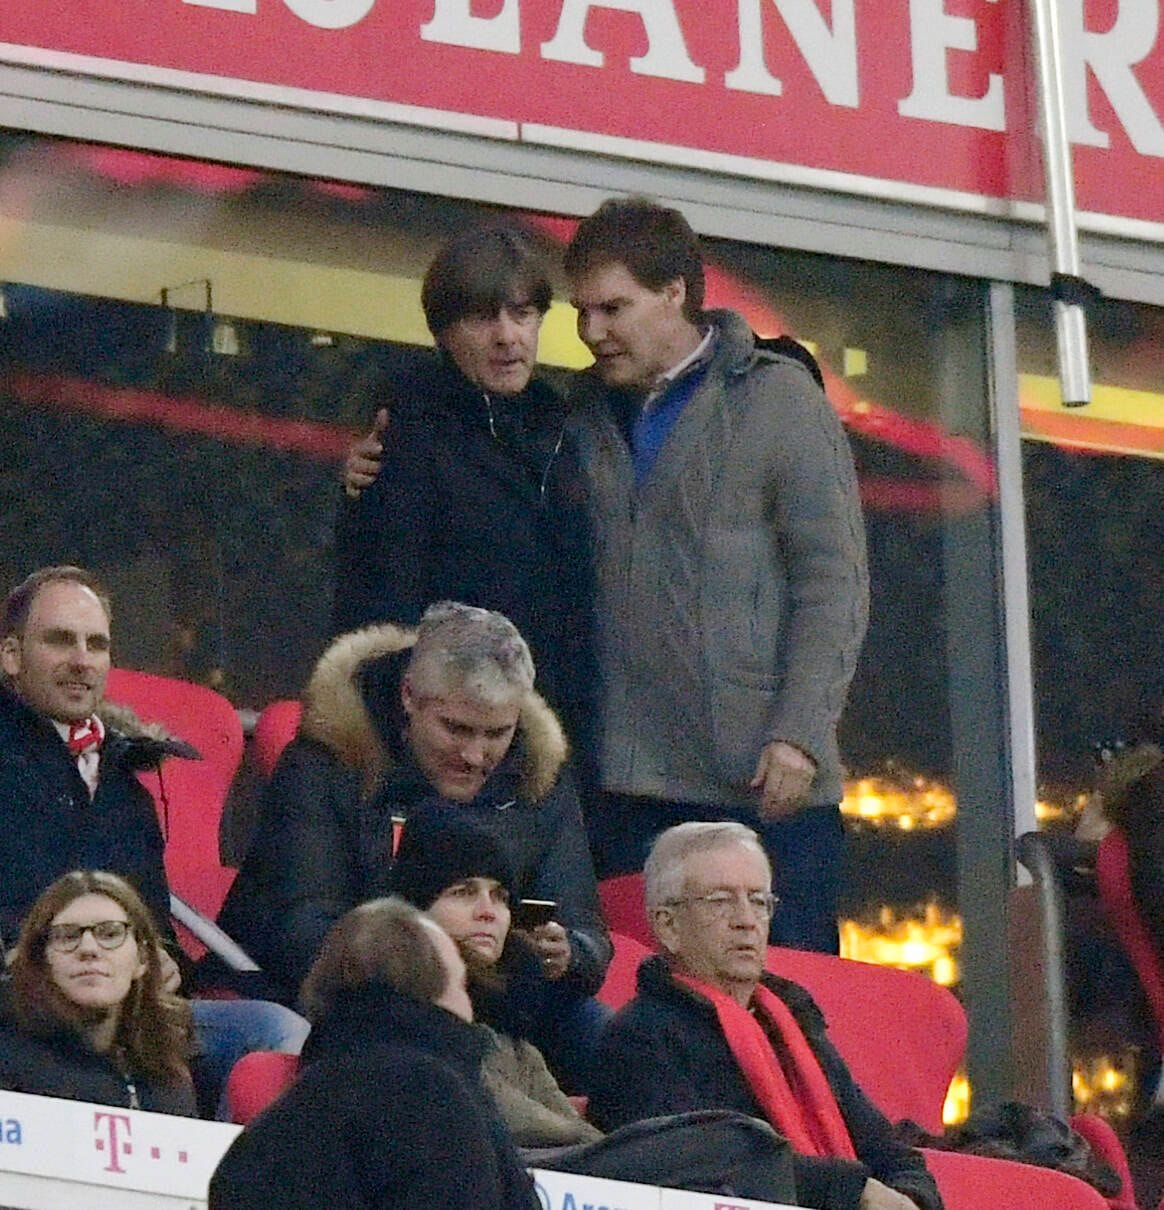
(1067, 283)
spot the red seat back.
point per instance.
(973, 1182)
(621, 979)
(256, 1080)
(274, 730)
(624, 908)
(1105, 1144)
(195, 790)
(901, 1034)
(1113, 876)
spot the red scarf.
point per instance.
(795, 1096)
(89, 733)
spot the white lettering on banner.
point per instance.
(453, 23)
(666, 55)
(831, 55)
(1111, 56)
(331, 14)
(933, 32)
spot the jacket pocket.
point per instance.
(741, 711)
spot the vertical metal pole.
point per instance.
(1067, 284)
(1002, 367)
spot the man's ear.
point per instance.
(10, 655)
(663, 926)
(675, 292)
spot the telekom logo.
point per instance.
(113, 1131)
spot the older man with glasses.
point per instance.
(710, 1029)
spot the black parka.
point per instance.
(388, 1111)
(324, 841)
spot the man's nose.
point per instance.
(590, 330)
(473, 752)
(506, 329)
(485, 908)
(80, 654)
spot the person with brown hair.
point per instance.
(388, 1110)
(86, 1014)
(732, 584)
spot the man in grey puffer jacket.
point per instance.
(733, 586)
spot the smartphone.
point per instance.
(529, 914)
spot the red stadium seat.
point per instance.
(256, 1080)
(1106, 1145)
(621, 975)
(274, 730)
(190, 794)
(901, 1034)
(972, 1182)
(624, 909)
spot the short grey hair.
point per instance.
(665, 872)
(464, 649)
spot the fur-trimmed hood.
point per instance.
(337, 714)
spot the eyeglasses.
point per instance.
(717, 905)
(109, 935)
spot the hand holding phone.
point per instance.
(529, 914)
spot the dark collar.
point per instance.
(377, 1015)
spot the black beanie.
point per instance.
(441, 846)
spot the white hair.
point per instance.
(665, 872)
(464, 649)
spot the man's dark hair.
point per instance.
(18, 604)
(654, 242)
(480, 270)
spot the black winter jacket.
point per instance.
(388, 1111)
(480, 499)
(324, 839)
(50, 824)
(62, 1065)
(666, 1053)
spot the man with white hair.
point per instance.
(710, 1029)
(398, 721)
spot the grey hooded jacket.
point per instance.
(733, 586)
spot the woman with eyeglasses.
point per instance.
(84, 1013)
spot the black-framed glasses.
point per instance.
(109, 935)
(717, 905)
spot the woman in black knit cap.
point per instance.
(453, 869)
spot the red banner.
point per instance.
(899, 97)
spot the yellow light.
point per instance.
(957, 1105)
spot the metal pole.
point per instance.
(1068, 288)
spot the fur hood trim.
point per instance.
(121, 718)
(336, 716)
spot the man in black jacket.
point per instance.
(709, 1029)
(71, 797)
(481, 498)
(389, 1109)
(398, 721)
